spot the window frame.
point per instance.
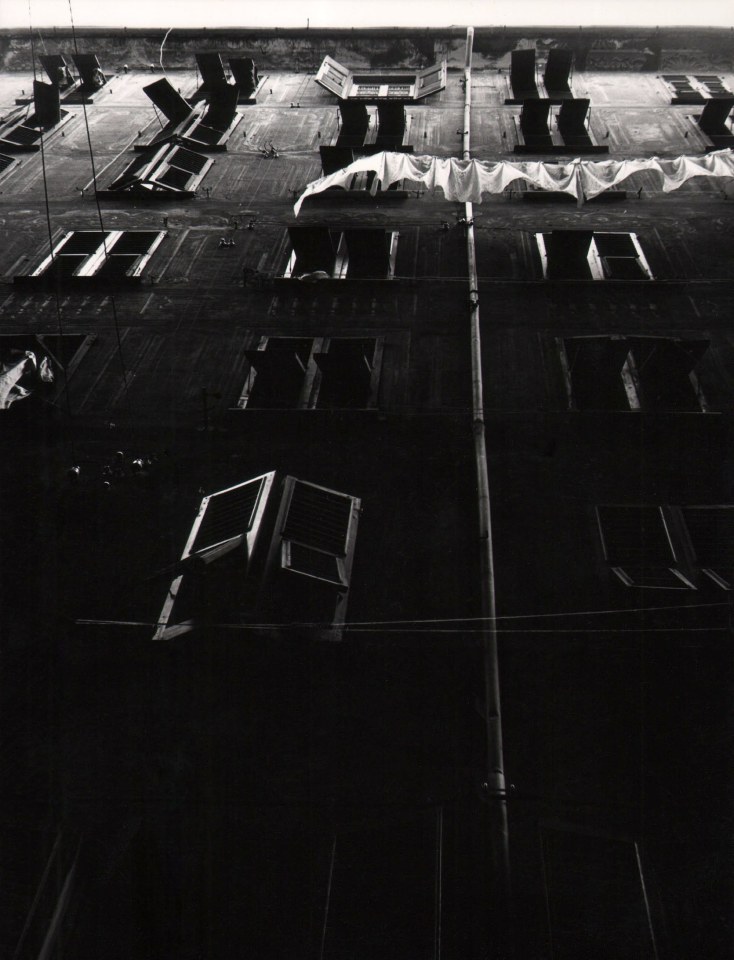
(340, 270)
(692, 572)
(594, 259)
(163, 630)
(629, 373)
(94, 262)
(313, 375)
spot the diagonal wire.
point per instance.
(56, 277)
(99, 217)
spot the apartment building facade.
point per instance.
(244, 609)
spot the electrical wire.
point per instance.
(56, 277)
(284, 627)
(99, 217)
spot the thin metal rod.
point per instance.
(438, 902)
(645, 897)
(495, 769)
(328, 898)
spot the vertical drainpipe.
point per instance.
(501, 919)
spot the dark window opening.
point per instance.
(665, 372)
(174, 177)
(346, 372)
(335, 373)
(711, 531)
(264, 549)
(594, 368)
(637, 545)
(633, 373)
(277, 373)
(669, 547)
(587, 255)
(84, 254)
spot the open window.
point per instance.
(561, 131)
(361, 253)
(354, 122)
(227, 525)
(711, 533)
(211, 68)
(522, 76)
(669, 547)
(37, 366)
(391, 125)
(715, 122)
(309, 569)
(534, 133)
(380, 85)
(292, 373)
(162, 171)
(58, 69)
(213, 130)
(110, 255)
(21, 132)
(244, 71)
(557, 73)
(265, 549)
(632, 373)
(590, 255)
(277, 377)
(639, 548)
(90, 71)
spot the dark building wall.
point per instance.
(597, 48)
(209, 776)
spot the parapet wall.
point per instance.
(303, 50)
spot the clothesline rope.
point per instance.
(467, 180)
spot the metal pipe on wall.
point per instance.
(495, 771)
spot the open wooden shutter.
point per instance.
(227, 520)
(334, 77)
(430, 80)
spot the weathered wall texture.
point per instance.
(596, 49)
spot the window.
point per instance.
(681, 89)
(315, 533)
(687, 89)
(377, 86)
(228, 522)
(596, 899)
(715, 122)
(587, 255)
(632, 373)
(713, 85)
(310, 562)
(37, 366)
(108, 255)
(279, 550)
(296, 373)
(638, 547)
(208, 132)
(711, 532)
(320, 253)
(167, 169)
(669, 547)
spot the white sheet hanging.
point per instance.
(468, 180)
